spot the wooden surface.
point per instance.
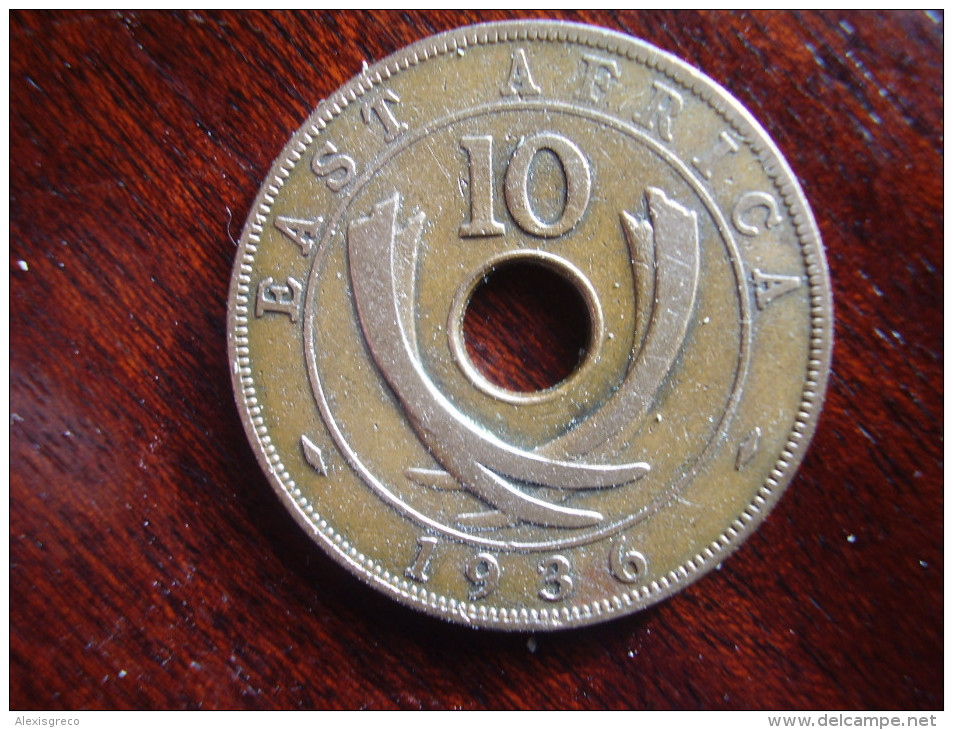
(151, 564)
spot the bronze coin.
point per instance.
(498, 152)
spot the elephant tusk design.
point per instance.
(665, 263)
(382, 262)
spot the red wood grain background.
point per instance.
(151, 565)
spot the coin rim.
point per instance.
(812, 252)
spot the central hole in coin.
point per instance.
(526, 327)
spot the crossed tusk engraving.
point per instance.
(382, 259)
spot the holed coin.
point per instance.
(642, 186)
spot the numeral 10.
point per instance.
(516, 186)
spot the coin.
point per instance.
(510, 150)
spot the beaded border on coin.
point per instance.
(627, 601)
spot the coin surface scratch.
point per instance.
(627, 176)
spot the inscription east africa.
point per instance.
(625, 173)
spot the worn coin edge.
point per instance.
(820, 347)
